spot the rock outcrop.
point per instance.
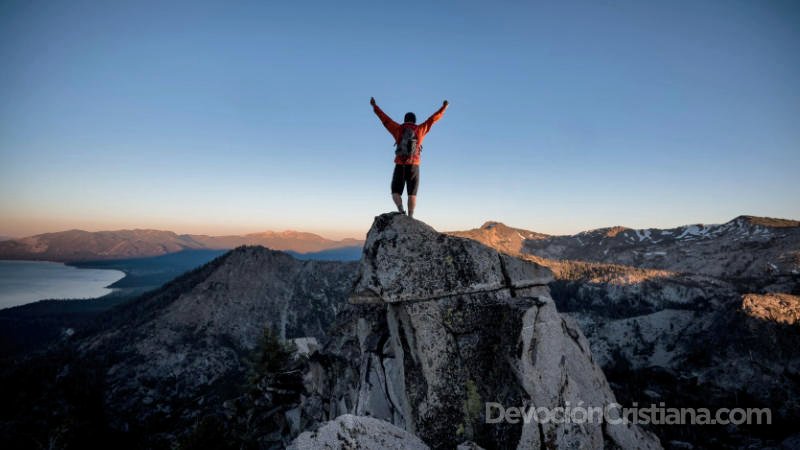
(351, 432)
(442, 325)
(405, 260)
(773, 307)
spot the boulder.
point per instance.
(351, 432)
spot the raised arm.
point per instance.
(424, 127)
(391, 125)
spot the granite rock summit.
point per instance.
(440, 326)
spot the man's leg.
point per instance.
(398, 200)
(398, 182)
(412, 181)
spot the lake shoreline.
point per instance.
(88, 265)
(28, 281)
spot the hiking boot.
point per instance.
(401, 210)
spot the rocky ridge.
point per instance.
(714, 324)
(745, 247)
(440, 325)
(192, 345)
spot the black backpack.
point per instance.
(407, 144)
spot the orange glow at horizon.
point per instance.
(21, 227)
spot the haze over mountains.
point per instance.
(645, 247)
(79, 245)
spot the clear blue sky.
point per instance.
(244, 116)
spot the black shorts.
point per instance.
(405, 175)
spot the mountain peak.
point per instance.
(613, 231)
(770, 222)
(488, 225)
(500, 236)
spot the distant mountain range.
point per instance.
(79, 245)
(745, 247)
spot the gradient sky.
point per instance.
(229, 117)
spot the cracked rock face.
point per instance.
(440, 327)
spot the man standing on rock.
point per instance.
(408, 139)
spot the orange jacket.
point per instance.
(395, 128)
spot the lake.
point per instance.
(24, 282)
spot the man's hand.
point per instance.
(372, 101)
(445, 103)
